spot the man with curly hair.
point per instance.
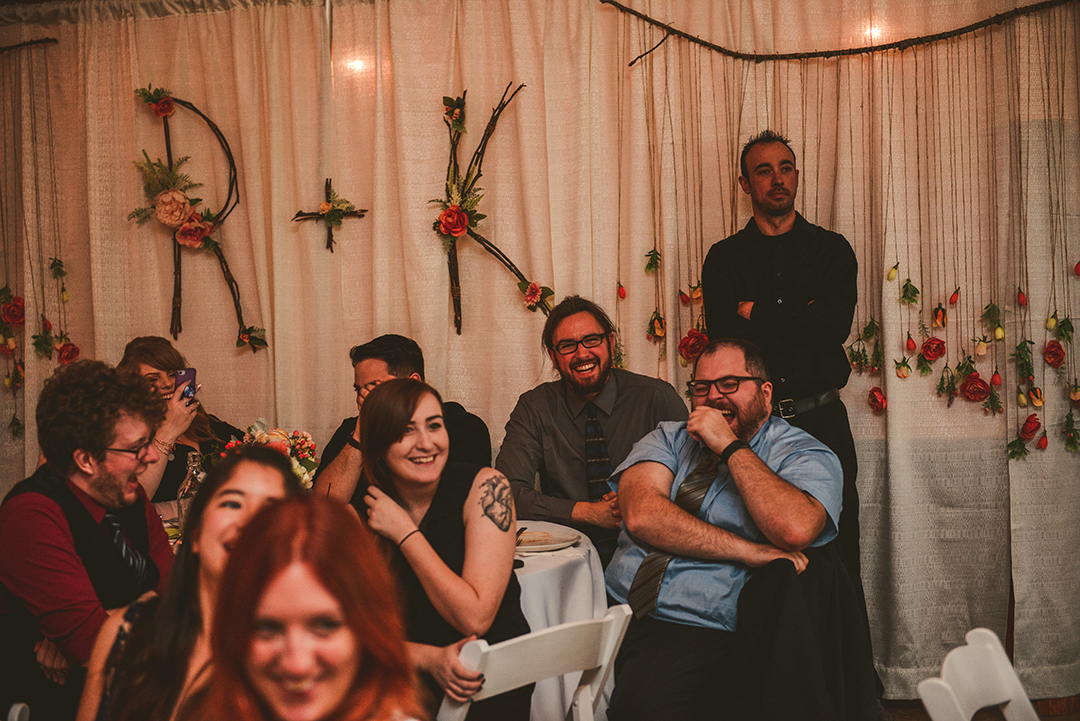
(79, 537)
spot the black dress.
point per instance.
(176, 467)
(444, 529)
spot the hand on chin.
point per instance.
(710, 426)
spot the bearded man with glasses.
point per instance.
(79, 537)
(564, 437)
(704, 502)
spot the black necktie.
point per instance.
(597, 464)
(645, 588)
(135, 560)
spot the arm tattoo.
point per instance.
(497, 501)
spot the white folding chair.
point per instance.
(973, 677)
(18, 712)
(588, 646)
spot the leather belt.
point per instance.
(788, 408)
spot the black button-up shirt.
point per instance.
(804, 289)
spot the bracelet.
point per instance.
(407, 537)
(735, 445)
(353, 442)
(164, 447)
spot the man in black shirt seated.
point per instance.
(390, 356)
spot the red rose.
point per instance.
(193, 232)
(67, 353)
(1031, 427)
(14, 313)
(975, 388)
(1054, 354)
(279, 446)
(163, 108)
(46, 326)
(876, 399)
(933, 348)
(453, 221)
(691, 346)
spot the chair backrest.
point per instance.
(18, 712)
(973, 677)
(588, 646)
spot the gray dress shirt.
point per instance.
(545, 436)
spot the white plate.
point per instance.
(538, 541)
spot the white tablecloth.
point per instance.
(558, 587)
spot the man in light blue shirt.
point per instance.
(766, 490)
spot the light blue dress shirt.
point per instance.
(705, 593)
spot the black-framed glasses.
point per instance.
(566, 347)
(137, 452)
(725, 385)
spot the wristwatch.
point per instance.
(735, 445)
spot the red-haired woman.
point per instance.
(187, 429)
(307, 626)
(155, 654)
(451, 531)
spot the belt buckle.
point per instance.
(786, 408)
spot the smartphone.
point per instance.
(186, 374)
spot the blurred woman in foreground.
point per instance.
(154, 655)
(307, 626)
(450, 528)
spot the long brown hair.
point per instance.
(158, 352)
(341, 554)
(384, 418)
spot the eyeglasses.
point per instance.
(566, 347)
(137, 452)
(725, 385)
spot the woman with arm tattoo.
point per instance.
(450, 532)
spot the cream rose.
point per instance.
(172, 208)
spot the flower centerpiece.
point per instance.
(297, 445)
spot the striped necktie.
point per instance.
(645, 588)
(135, 560)
(597, 463)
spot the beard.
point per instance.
(111, 489)
(778, 207)
(749, 419)
(587, 388)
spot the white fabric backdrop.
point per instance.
(592, 164)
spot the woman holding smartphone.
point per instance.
(187, 429)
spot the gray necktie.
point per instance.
(135, 560)
(650, 574)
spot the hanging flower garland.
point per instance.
(12, 321)
(966, 382)
(695, 340)
(459, 215)
(871, 361)
(168, 189)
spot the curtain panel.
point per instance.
(949, 159)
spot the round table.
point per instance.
(559, 587)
